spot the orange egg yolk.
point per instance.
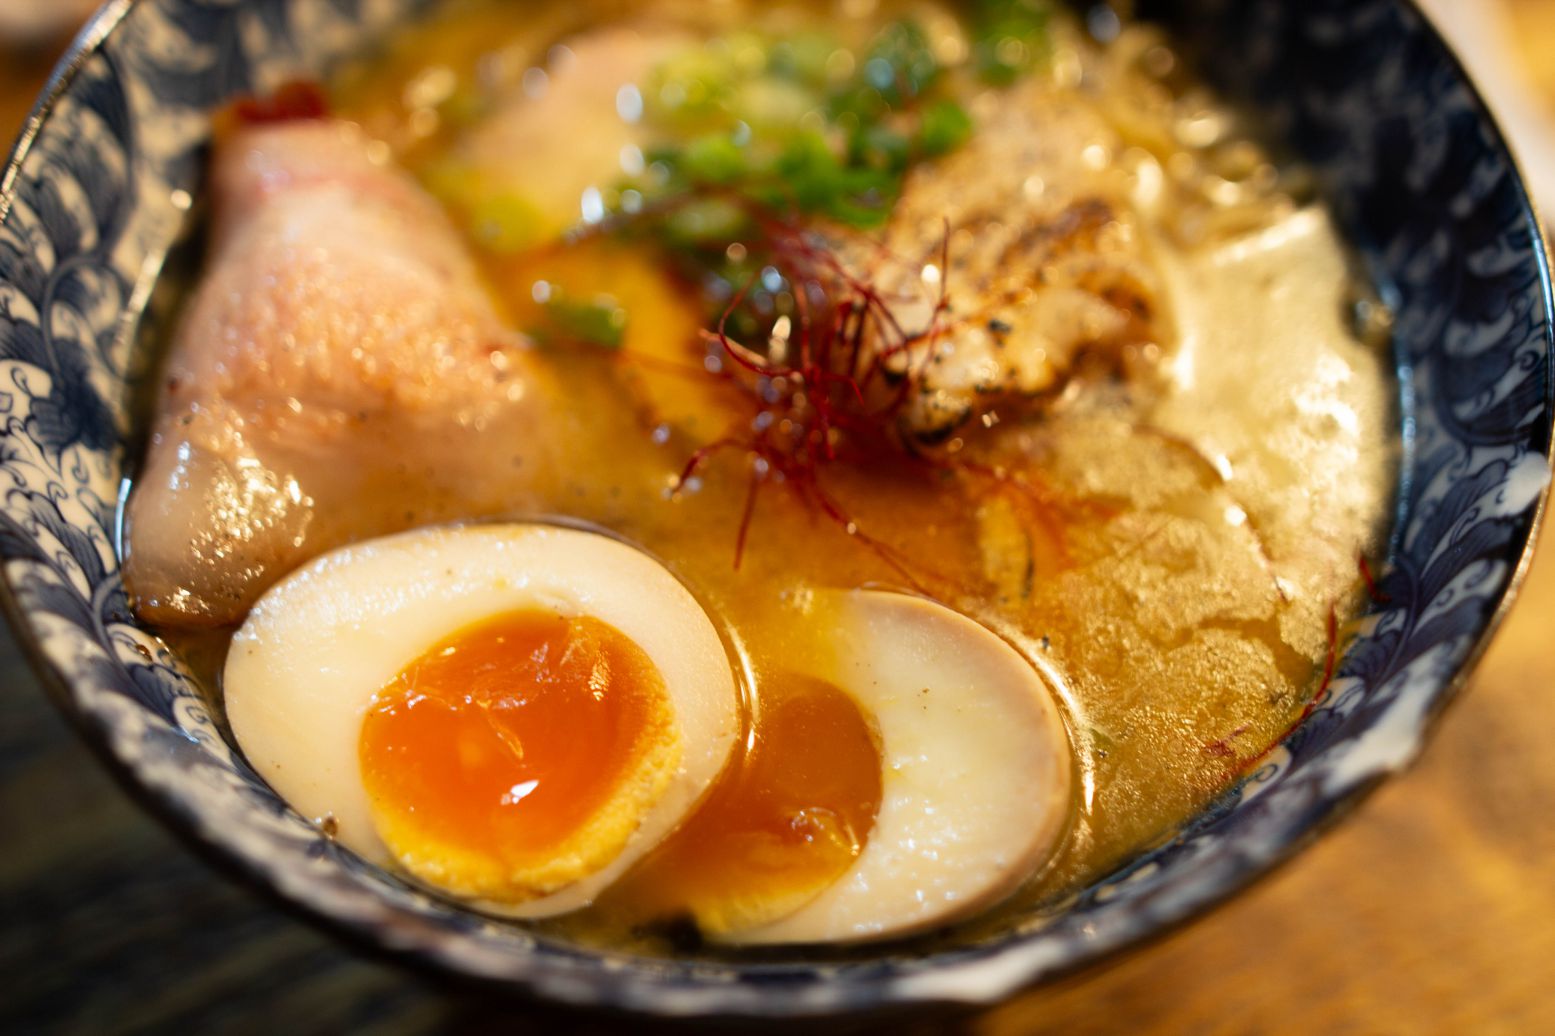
(518, 754)
(784, 824)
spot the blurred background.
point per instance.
(1432, 910)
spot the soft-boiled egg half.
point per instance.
(909, 768)
(514, 714)
(976, 772)
(518, 714)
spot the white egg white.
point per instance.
(976, 770)
(306, 663)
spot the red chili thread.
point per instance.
(294, 101)
(1372, 590)
(818, 406)
(1316, 702)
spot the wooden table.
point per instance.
(1432, 910)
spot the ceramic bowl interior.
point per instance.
(99, 192)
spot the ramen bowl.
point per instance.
(100, 192)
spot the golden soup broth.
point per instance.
(1175, 551)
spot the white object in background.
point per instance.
(1481, 32)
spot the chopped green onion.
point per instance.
(776, 123)
(1009, 37)
(944, 127)
(599, 321)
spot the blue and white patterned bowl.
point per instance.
(98, 191)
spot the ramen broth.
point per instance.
(1169, 533)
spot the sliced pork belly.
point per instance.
(333, 377)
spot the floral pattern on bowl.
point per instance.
(100, 190)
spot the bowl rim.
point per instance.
(874, 997)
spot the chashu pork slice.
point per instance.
(337, 374)
(1048, 262)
